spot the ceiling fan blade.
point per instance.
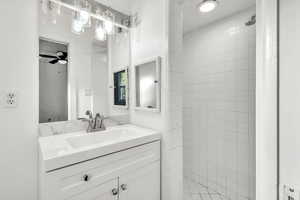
(54, 61)
(47, 56)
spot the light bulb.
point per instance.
(84, 17)
(83, 14)
(207, 6)
(77, 27)
(109, 27)
(109, 22)
(62, 62)
(100, 32)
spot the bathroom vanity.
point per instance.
(122, 162)
(84, 151)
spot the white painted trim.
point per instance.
(266, 100)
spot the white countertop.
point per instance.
(57, 151)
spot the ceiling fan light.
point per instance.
(62, 62)
(207, 6)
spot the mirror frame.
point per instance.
(157, 61)
(127, 88)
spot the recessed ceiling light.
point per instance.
(207, 5)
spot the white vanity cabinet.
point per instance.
(131, 174)
(141, 184)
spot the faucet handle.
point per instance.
(89, 113)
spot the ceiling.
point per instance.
(194, 19)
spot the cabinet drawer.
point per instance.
(74, 180)
(103, 191)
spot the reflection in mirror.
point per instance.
(78, 72)
(120, 88)
(53, 77)
(147, 86)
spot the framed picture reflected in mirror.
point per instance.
(121, 88)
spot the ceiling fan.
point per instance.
(60, 57)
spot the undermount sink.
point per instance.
(97, 138)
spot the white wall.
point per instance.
(173, 173)
(219, 106)
(159, 29)
(149, 40)
(289, 93)
(18, 71)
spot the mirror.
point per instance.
(79, 72)
(147, 85)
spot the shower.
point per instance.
(219, 104)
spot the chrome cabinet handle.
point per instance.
(115, 191)
(124, 187)
(86, 178)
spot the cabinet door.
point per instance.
(106, 191)
(141, 184)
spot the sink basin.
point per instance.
(97, 138)
(62, 150)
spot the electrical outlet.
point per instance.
(290, 193)
(10, 99)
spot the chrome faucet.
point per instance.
(94, 124)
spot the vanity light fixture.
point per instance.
(77, 26)
(84, 14)
(108, 24)
(207, 6)
(105, 23)
(100, 32)
(45, 6)
(52, 9)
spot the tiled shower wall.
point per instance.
(219, 106)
